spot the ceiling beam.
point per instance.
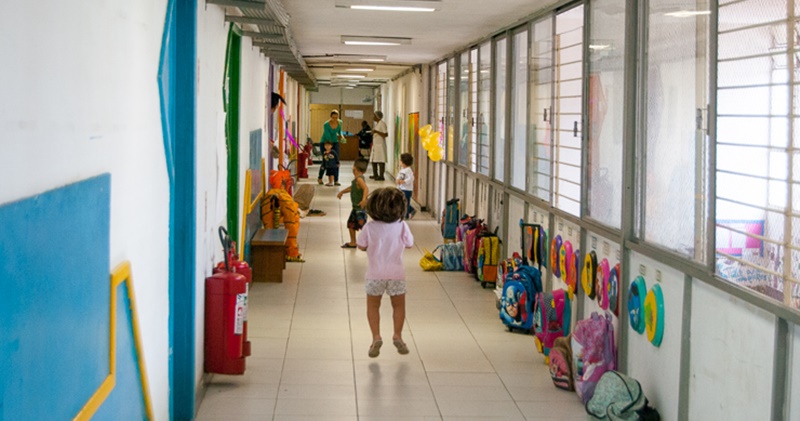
(252, 34)
(242, 4)
(249, 20)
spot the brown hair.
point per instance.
(361, 165)
(386, 204)
(407, 159)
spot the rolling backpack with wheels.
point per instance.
(488, 258)
(551, 319)
(516, 301)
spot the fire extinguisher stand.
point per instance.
(226, 307)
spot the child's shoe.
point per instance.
(319, 181)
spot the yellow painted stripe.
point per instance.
(120, 274)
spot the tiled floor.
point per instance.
(310, 338)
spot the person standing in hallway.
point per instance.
(405, 181)
(379, 134)
(384, 238)
(332, 132)
(358, 198)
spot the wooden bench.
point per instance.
(268, 247)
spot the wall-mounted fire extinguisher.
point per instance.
(238, 266)
(226, 301)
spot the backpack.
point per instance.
(551, 319)
(561, 363)
(619, 398)
(516, 301)
(471, 244)
(463, 226)
(508, 265)
(593, 353)
(488, 258)
(450, 221)
(452, 256)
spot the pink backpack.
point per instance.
(551, 319)
(593, 353)
(561, 364)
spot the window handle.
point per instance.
(545, 114)
(575, 129)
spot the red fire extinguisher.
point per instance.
(226, 298)
(238, 266)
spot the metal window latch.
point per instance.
(575, 129)
(545, 114)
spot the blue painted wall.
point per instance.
(126, 401)
(54, 300)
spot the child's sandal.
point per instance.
(375, 348)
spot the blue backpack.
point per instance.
(519, 291)
(450, 222)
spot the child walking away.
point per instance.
(330, 163)
(358, 197)
(405, 181)
(384, 239)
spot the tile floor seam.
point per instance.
(286, 346)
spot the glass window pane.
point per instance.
(756, 174)
(451, 109)
(484, 104)
(519, 108)
(500, 55)
(463, 132)
(569, 108)
(541, 108)
(473, 110)
(606, 100)
(676, 84)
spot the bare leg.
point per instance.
(398, 315)
(352, 236)
(374, 315)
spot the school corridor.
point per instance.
(310, 339)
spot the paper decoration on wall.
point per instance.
(601, 284)
(571, 268)
(654, 315)
(555, 246)
(589, 274)
(636, 297)
(613, 289)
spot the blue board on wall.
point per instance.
(54, 300)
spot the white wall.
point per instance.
(658, 368)
(794, 372)
(731, 357)
(211, 151)
(79, 98)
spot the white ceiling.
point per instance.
(318, 25)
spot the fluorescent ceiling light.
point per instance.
(350, 75)
(372, 59)
(356, 40)
(392, 8)
(687, 13)
(354, 68)
(599, 47)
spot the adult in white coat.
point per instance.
(379, 134)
